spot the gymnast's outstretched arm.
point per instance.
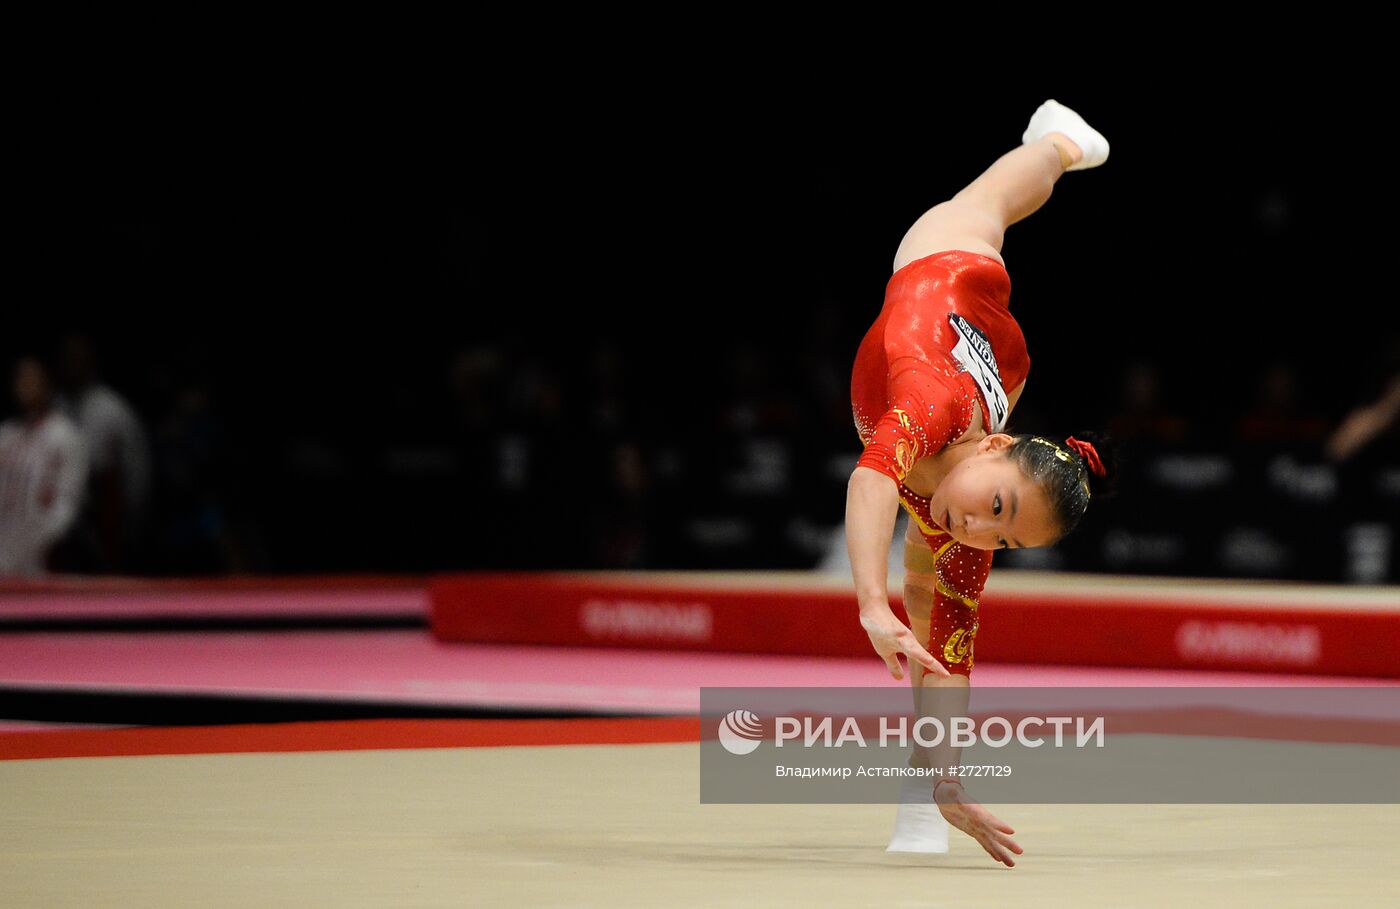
(872, 504)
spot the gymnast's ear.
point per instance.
(996, 441)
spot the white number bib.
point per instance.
(974, 353)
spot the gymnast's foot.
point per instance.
(1079, 144)
(919, 825)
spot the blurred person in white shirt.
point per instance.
(119, 456)
(43, 472)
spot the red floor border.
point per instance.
(364, 735)
(345, 735)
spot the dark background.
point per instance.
(610, 324)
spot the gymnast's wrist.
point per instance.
(956, 785)
(874, 603)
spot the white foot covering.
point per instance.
(919, 825)
(1054, 117)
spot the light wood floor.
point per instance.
(618, 825)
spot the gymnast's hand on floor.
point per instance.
(891, 637)
(968, 815)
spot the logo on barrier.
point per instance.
(647, 620)
(740, 732)
(1246, 642)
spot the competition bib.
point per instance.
(974, 353)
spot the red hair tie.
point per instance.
(1089, 454)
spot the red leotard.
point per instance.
(944, 343)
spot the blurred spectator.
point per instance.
(473, 380)
(503, 425)
(824, 400)
(43, 470)
(755, 398)
(1280, 415)
(1143, 414)
(192, 448)
(606, 383)
(119, 459)
(1364, 424)
(621, 517)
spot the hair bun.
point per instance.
(1099, 454)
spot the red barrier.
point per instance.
(1140, 632)
(630, 610)
(1198, 627)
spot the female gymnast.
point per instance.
(935, 379)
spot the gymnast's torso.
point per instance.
(936, 367)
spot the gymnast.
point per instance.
(935, 380)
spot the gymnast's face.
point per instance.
(987, 502)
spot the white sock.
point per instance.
(1054, 117)
(919, 825)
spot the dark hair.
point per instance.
(1064, 473)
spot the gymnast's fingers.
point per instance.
(916, 651)
(997, 851)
